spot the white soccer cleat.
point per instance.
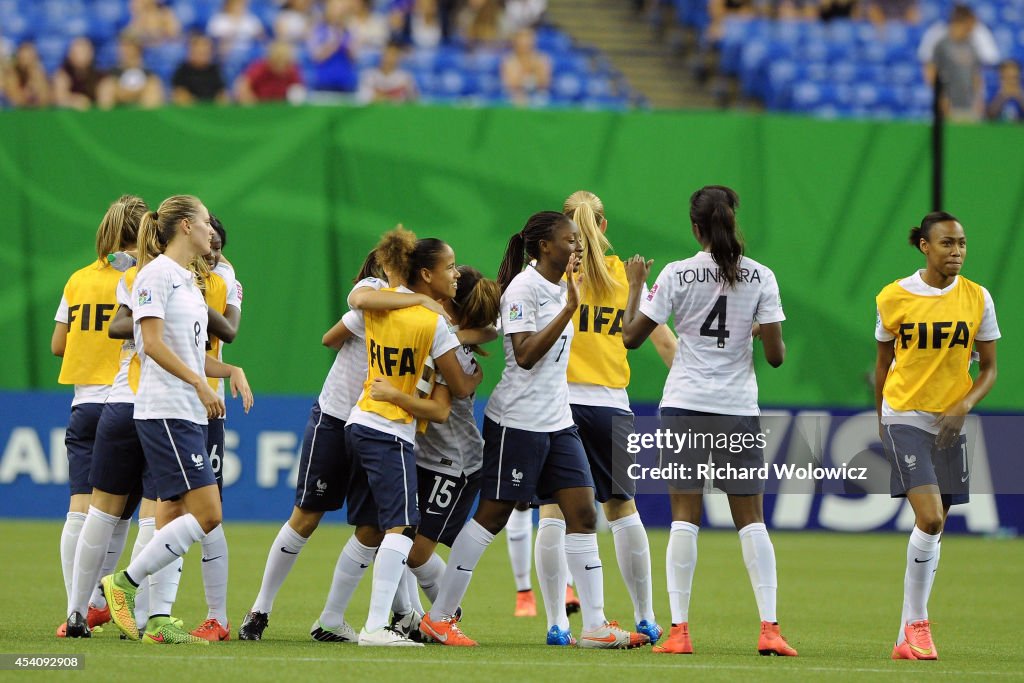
(385, 636)
(341, 634)
(611, 637)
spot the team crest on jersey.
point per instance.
(515, 311)
(650, 294)
(911, 461)
(145, 296)
(198, 460)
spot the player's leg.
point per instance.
(214, 564)
(552, 573)
(518, 533)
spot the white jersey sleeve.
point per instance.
(371, 282)
(62, 311)
(882, 334)
(444, 339)
(989, 328)
(656, 304)
(769, 305)
(234, 287)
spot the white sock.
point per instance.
(413, 590)
(922, 555)
(348, 571)
(551, 570)
(634, 555)
(68, 545)
(387, 575)
(428, 576)
(585, 565)
(169, 543)
(401, 604)
(280, 560)
(518, 531)
(93, 540)
(680, 563)
(467, 550)
(215, 574)
(163, 588)
(114, 550)
(759, 556)
(147, 527)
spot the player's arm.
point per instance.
(59, 340)
(530, 347)
(239, 383)
(477, 336)
(121, 327)
(161, 354)
(665, 343)
(951, 421)
(370, 299)
(436, 408)
(636, 326)
(224, 327)
(336, 336)
(774, 347)
(459, 383)
(883, 361)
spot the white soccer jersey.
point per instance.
(165, 290)
(120, 390)
(713, 370)
(444, 341)
(345, 380)
(84, 393)
(987, 331)
(456, 446)
(537, 399)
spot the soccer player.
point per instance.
(715, 297)
(598, 374)
(927, 325)
(172, 406)
(531, 446)
(89, 361)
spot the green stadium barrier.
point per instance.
(304, 192)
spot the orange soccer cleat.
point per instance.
(212, 630)
(445, 631)
(771, 641)
(526, 604)
(678, 642)
(919, 638)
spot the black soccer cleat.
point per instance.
(77, 626)
(253, 625)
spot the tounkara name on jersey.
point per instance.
(935, 334)
(691, 275)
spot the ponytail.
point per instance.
(477, 301)
(370, 268)
(149, 244)
(924, 231)
(587, 211)
(513, 261)
(713, 211)
(159, 227)
(119, 228)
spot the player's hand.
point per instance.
(210, 400)
(755, 331)
(572, 297)
(435, 306)
(950, 423)
(382, 390)
(240, 385)
(637, 270)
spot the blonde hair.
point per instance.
(394, 252)
(119, 228)
(587, 211)
(477, 301)
(159, 227)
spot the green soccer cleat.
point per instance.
(169, 631)
(120, 595)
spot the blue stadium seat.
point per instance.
(163, 59)
(568, 86)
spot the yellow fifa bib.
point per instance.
(934, 339)
(90, 356)
(134, 365)
(217, 299)
(598, 354)
(398, 347)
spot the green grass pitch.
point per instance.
(839, 604)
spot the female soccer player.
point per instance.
(531, 445)
(715, 298)
(90, 362)
(927, 325)
(172, 405)
(598, 374)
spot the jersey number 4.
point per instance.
(717, 313)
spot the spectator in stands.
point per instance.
(525, 72)
(271, 79)
(24, 78)
(75, 83)
(235, 27)
(152, 23)
(981, 37)
(294, 22)
(479, 23)
(1008, 103)
(130, 82)
(198, 78)
(369, 29)
(523, 14)
(956, 63)
(793, 10)
(836, 9)
(881, 11)
(331, 47)
(420, 26)
(389, 82)
(720, 10)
